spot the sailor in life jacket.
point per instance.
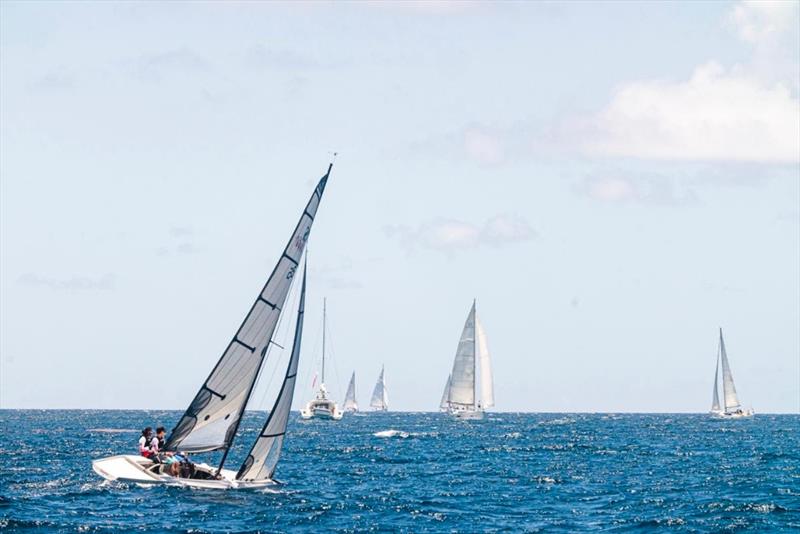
(145, 443)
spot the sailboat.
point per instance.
(211, 421)
(380, 397)
(350, 404)
(444, 406)
(470, 390)
(322, 406)
(731, 408)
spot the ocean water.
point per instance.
(423, 473)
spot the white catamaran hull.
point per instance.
(320, 413)
(139, 470)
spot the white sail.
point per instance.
(443, 404)
(730, 397)
(211, 421)
(487, 384)
(263, 457)
(462, 379)
(715, 398)
(380, 397)
(350, 404)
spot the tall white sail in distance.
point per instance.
(715, 397)
(350, 404)
(729, 395)
(211, 420)
(485, 368)
(444, 404)
(263, 456)
(462, 378)
(380, 397)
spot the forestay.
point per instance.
(728, 389)
(487, 384)
(462, 379)
(350, 397)
(263, 457)
(211, 420)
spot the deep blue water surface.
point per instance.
(511, 472)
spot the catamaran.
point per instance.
(212, 419)
(731, 407)
(350, 404)
(322, 406)
(469, 389)
(380, 397)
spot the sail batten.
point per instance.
(263, 457)
(211, 420)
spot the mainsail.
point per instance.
(715, 399)
(728, 389)
(444, 404)
(211, 421)
(487, 386)
(350, 404)
(263, 457)
(462, 379)
(380, 397)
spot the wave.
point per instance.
(391, 433)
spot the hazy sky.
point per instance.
(613, 182)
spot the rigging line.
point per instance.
(332, 352)
(291, 302)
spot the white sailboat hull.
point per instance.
(467, 415)
(139, 470)
(323, 410)
(733, 415)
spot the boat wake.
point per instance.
(391, 433)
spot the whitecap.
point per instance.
(391, 433)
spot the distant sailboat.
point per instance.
(380, 397)
(443, 404)
(212, 420)
(470, 390)
(731, 407)
(350, 404)
(322, 406)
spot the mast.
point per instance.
(324, 320)
(475, 358)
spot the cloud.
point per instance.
(449, 236)
(79, 283)
(717, 114)
(764, 21)
(156, 67)
(483, 145)
(260, 57)
(618, 188)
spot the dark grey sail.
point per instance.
(211, 421)
(263, 456)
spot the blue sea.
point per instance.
(418, 472)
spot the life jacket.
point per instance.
(146, 451)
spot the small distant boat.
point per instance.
(322, 406)
(469, 389)
(212, 420)
(380, 397)
(731, 408)
(444, 405)
(350, 404)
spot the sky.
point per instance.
(612, 182)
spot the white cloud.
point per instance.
(618, 188)
(483, 146)
(449, 236)
(717, 114)
(764, 21)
